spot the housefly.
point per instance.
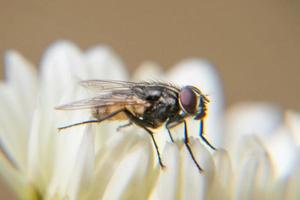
(148, 105)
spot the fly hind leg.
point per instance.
(92, 121)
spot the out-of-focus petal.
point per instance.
(292, 185)
(17, 96)
(282, 150)
(204, 76)
(82, 172)
(293, 122)
(40, 151)
(15, 144)
(9, 170)
(246, 119)
(252, 118)
(21, 76)
(182, 172)
(61, 68)
(148, 71)
(102, 63)
(110, 155)
(254, 177)
(67, 148)
(171, 174)
(223, 177)
(193, 184)
(134, 170)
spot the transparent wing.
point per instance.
(112, 93)
(109, 85)
(103, 100)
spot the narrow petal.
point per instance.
(181, 176)
(247, 119)
(130, 179)
(102, 63)
(255, 173)
(14, 178)
(65, 158)
(21, 76)
(61, 67)
(223, 177)
(108, 159)
(203, 75)
(292, 186)
(148, 71)
(283, 152)
(293, 122)
(171, 174)
(82, 171)
(195, 185)
(13, 127)
(253, 118)
(40, 151)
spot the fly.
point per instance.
(148, 105)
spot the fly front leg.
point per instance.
(202, 136)
(186, 142)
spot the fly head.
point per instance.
(193, 102)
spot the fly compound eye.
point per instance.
(188, 100)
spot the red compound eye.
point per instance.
(188, 100)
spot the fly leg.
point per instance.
(186, 142)
(156, 147)
(92, 121)
(202, 136)
(124, 126)
(138, 122)
(171, 123)
(170, 134)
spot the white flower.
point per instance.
(259, 160)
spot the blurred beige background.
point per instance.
(255, 44)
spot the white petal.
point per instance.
(254, 177)
(253, 118)
(65, 158)
(203, 75)
(103, 63)
(283, 152)
(223, 178)
(293, 122)
(17, 98)
(195, 185)
(181, 176)
(21, 76)
(82, 171)
(15, 179)
(13, 127)
(108, 158)
(171, 174)
(292, 186)
(244, 119)
(148, 71)
(130, 177)
(61, 67)
(40, 150)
